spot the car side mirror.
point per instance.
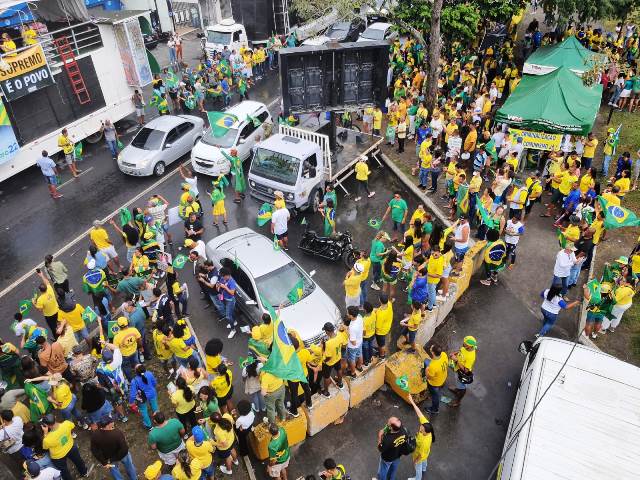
(250, 302)
(168, 145)
(312, 273)
(525, 347)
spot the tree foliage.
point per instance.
(562, 12)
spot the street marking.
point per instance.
(73, 242)
(277, 100)
(72, 179)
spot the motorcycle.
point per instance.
(329, 248)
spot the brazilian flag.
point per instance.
(264, 213)
(595, 288)
(495, 253)
(462, 200)
(282, 362)
(38, 403)
(221, 122)
(295, 294)
(616, 216)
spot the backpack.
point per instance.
(409, 445)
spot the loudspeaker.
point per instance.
(333, 76)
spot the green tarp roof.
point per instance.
(569, 53)
(557, 102)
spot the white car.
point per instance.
(206, 156)
(159, 143)
(378, 32)
(259, 270)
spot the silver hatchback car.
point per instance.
(159, 143)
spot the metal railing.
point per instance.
(83, 38)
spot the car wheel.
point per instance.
(158, 169)
(95, 138)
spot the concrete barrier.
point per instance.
(326, 410)
(365, 384)
(409, 364)
(296, 429)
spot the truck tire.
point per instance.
(95, 138)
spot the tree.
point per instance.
(435, 47)
(561, 12)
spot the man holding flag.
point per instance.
(280, 226)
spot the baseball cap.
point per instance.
(188, 242)
(278, 194)
(152, 471)
(123, 322)
(358, 267)
(471, 341)
(107, 355)
(198, 434)
(33, 469)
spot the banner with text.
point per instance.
(133, 53)
(24, 73)
(536, 140)
(8, 144)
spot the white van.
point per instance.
(228, 34)
(206, 156)
(587, 426)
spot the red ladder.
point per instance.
(68, 59)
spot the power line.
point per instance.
(526, 420)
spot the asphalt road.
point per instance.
(469, 439)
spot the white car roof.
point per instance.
(165, 123)
(595, 402)
(254, 251)
(379, 26)
(295, 147)
(248, 107)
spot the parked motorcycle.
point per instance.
(329, 248)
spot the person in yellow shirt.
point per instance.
(411, 323)
(129, 341)
(377, 121)
(65, 143)
(587, 181)
(8, 46)
(29, 35)
(351, 283)
(184, 401)
(222, 384)
(64, 400)
(362, 177)
(623, 183)
(273, 390)
(368, 333)
(201, 449)
(223, 439)
(463, 363)
(331, 358)
(73, 318)
(365, 261)
(100, 239)
(435, 270)
(589, 150)
(623, 297)
(436, 371)
(187, 467)
(47, 303)
(610, 194)
(424, 439)
(384, 321)
(58, 440)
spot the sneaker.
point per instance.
(612, 330)
(265, 420)
(228, 326)
(294, 415)
(485, 282)
(232, 333)
(357, 199)
(326, 394)
(440, 298)
(74, 435)
(253, 407)
(226, 471)
(375, 286)
(594, 335)
(340, 385)
(245, 329)
(537, 335)
(236, 462)
(371, 194)
(432, 412)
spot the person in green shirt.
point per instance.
(166, 438)
(279, 452)
(398, 209)
(377, 255)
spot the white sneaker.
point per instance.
(236, 462)
(375, 286)
(371, 194)
(440, 298)
(245, 329)
(224, 470)
(232, 333)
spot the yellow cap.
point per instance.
(188, 242)
(605, 287)
(123, 322)
(152, 471)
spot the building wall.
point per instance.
(160, 5)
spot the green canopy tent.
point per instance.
(557, 102)
(569, 53)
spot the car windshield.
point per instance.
(221, 38)
(373, 34)
(148, 139)
(279, 167)
(276, 286)
(225, 141)
(338, 30)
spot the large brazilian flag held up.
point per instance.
(221, 122)
(283, 361)
(616, 216)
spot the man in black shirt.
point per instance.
(193, 228)
(208, 281)
(110, 448)
(390, 440)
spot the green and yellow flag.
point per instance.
(283, 361)
(616, 216)
(264, 213)
(462, 200)
(221, 122)
(295, 294)
(38, 403)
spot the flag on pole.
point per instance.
(283, 361)
(462, 200)
(403, 382)
(264, 213)
(295, 294)
(616, 216)
(375, 223)
(221, 122)
(24, 306)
